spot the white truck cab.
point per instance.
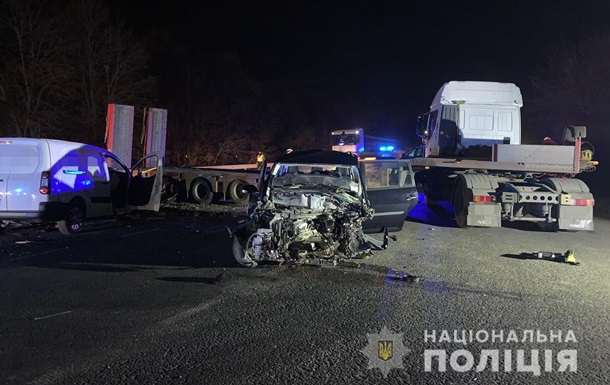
(46, 180)
(467, 114)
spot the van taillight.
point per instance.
(44, 183)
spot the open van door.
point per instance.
(390, 187)
(146, 184)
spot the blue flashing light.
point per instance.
(382, 148)
(18, 190)
(74, 172)
(390, 148)
(361, 149)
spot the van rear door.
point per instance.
(21, 164)
(3, 185)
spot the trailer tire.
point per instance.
(201, 191)
(236, 193)
(170, 188)
(430, 202)
(460, 203)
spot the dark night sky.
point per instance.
(392, 54)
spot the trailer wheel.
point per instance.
(430, 202)
(460, 203)
(170, 188)
(236, 193)
(201, 191)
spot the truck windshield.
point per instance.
(345, 139)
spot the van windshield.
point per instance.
(19, 158)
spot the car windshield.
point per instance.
(341, 176)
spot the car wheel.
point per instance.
(201, 191)
(240, 255)
(236, 192)
(75, 216)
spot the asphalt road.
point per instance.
(161, 301)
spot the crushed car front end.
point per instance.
(308, 210)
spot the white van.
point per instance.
(48, 180)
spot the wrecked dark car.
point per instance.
(309, 209)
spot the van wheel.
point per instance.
(236, 192)
(75, 216)
(201, 191)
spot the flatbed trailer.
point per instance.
(203, 185)
(474, 159)
(534, 183)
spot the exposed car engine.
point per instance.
(305, 219)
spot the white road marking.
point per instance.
(53, 315)
(140, 232)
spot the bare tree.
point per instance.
(109, 65)
(220, 114)
(33, 67)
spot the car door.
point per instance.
(98, 181)
(146, 184)
(390, 187)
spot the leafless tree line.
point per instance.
(63, 61)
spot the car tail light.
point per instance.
(45, 188)
(583, 202)
(482, 198)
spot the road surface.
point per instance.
(161, 301)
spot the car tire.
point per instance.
(201, 191)
(235, 192)
(240, 255)
(74, 219)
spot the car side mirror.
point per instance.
(421, 126)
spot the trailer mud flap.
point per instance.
(575, 218)
(484, 214)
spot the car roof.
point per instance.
(318, 157)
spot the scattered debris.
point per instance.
(567, 257)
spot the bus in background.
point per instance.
(365, 146)
(348, 141)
